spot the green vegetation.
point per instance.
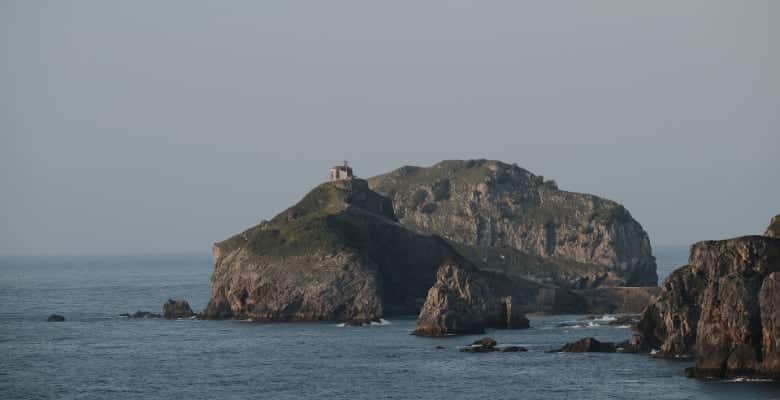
(331, 217)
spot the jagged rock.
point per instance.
(141, 314)
(55, 318)
(465, 300)
(773, 230)
(179, 308)
(587, 345)
(503, 217)
(721, 308)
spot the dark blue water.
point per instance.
(98, 355)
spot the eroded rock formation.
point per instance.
(721, 308)
(505, 218)
(465, 300)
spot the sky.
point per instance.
(156, 127)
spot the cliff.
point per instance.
(721, 308)
(505, 218)
(338, 254)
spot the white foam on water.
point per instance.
(746, 379)
(381, 322)
(605, 318)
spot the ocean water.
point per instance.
(96, 354)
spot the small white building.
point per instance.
(340, 172)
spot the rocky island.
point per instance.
(723, 308)
(467, 245)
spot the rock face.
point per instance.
(503, 217)
(773, 230)
(339, 254)
(721, 308)
(465, 300)
(55, 318)
(179, 308)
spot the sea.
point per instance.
(97, 354)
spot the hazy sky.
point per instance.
(164, 126)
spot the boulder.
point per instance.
(55, 318)
(179, 308)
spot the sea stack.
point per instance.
(465, 300)
(723, 308)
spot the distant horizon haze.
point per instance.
(162, 127)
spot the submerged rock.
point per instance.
(586, 345)
(505, 217)
(179, 308)
(488, 345)
(141, 314)
(55, 318)
(465, 300)
(486, 341)
(723, 308)
(513, 349)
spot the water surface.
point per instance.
(96, 354)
